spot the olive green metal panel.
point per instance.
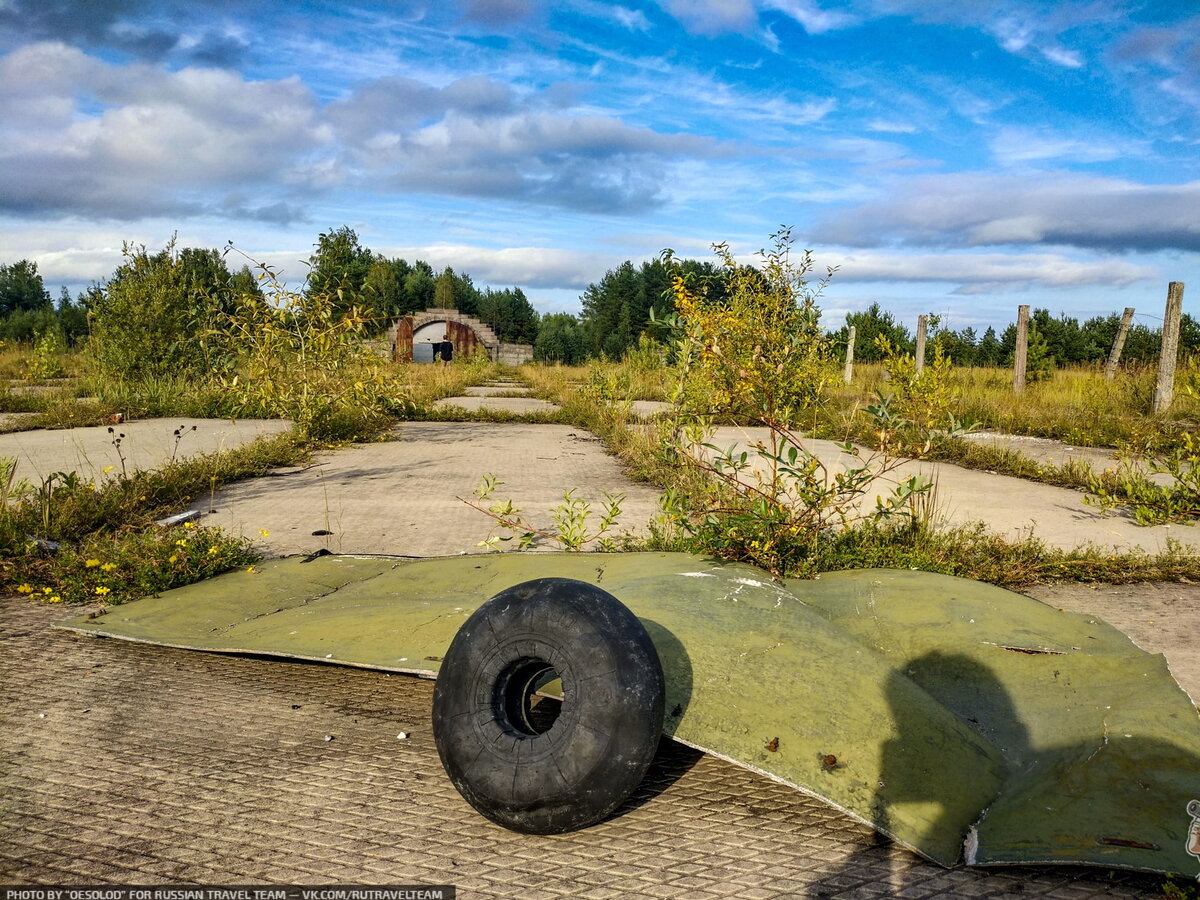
(903, 698)
(1101, 745)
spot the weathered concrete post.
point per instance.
(1114, 358)
(849, 373)
(922, 326)
(1021, 357)
(1164, 391)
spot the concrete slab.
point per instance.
(1010, 506)
(492, 390)
(509, 404)
(649, 408)
(147, 444)
(400, 497)
(1159, 618)
(1056, 452)
(16, 420)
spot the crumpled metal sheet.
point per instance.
(966, 722)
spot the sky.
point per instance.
(948, 157)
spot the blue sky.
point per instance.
(950, 157)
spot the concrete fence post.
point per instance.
(922, 327)
(1021, 357)
(848, 374)
(1168, 355)
(1114, 358)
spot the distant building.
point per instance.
(413, 337)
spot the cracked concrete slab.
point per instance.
(1012, 507)
(401, 496)
(508, 404)
(95, 452)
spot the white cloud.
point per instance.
(534, 267)
(809, 14)
(127, 141)
(1042, 208)
(887, 127)
(712, 16)
(989, 270)
(88, 137)
(1014, 146)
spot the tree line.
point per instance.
(1053, 341)
(182, 287)
(178, 289)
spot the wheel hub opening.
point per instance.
(522, 710)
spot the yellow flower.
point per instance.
(172, 559)
(181, 543)
(102, 591)
(47, 590)
(108, 567)
(213, 551)
(91, 563)
(24, 589)
(189, 524)
(264, 532)
(55, 599)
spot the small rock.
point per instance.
(402, 736)
(329, 737)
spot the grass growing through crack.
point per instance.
(113, 524)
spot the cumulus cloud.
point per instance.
(1044, 208)
(474, 138)
(84, 136)
(139, 28)
(157, 142)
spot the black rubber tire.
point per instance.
(597, 750)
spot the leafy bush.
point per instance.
(148, 320)
(757, 355)
(302, 356)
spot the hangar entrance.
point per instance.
(423, 340)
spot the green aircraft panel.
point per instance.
(967, 722)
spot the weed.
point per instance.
(114, 568)
(757, 355)
(571, 531)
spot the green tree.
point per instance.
(607, 314)
(869, 325)
(21, 288)
(560, 338)
(444, 290)
(383, 289)
(72, 317)
(339, 263)
(959, 346)
(509, 313)
(989, 351)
